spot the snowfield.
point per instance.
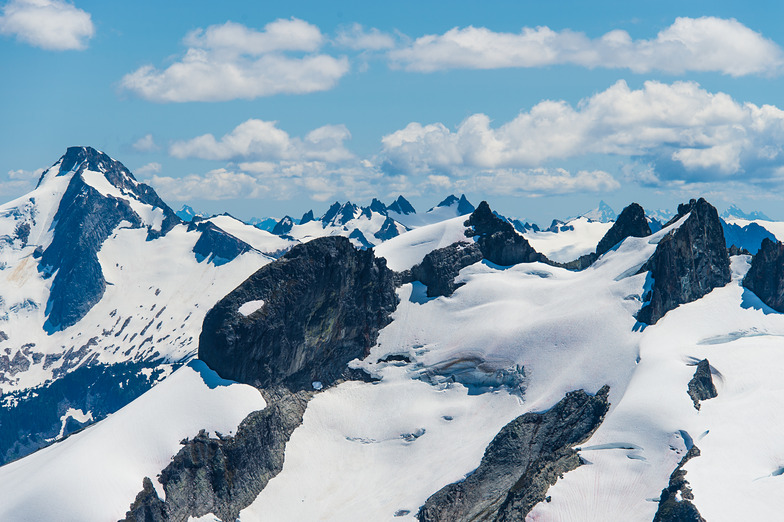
(510, 340)
(91, 475)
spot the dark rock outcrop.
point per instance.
(147, 507)
(217, 246)
(701, 387)
(688, 263)
(675, 502)
(497, 239)
(324, 303)
(631, 222)
(766, 276)
(223, 475)
(526, 457)
(440, 267)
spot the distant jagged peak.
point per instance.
(464, 207)
(401, 206)
(283, 226)
(340, 214)
(734, 212)
(378, 206)
(186, 213)
(603, 213)
(307, 217)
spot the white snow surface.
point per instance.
(250, 307)
(774, 227)
(377, 451)
(406, 250)
(570, 244)
(261, 240)
(95, 474)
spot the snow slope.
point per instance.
(568, 245)
(95, 474)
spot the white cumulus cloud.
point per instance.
(145, 144)
(689, 44)
(263, 140)
(232, 61)
(54, 25)
(686, 131)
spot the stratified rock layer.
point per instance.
(688, 263)
(766, 275)
(324, 303)
(526, 457)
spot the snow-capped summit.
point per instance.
(603, 213)
(99, 280)
(186, 213)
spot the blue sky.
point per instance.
(266, 108)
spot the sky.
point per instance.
(271, 108)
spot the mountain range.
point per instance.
(376, 363)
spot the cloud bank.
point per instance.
(689, 44)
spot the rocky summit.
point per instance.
(497, 239)
(688, 262)
(323, 305)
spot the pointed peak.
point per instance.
(307, 217)
(448, 201)
(378, 206)
(401, 206)
(464, 206)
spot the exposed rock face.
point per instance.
(688, 263)
(388, 230)
(630, 223)
(401, 206)
(766, 275)
(497, 239)
(283, 226)
(224, 475)
(84, 219)
(147, 507)
(440, 267)
(521, 463)
(671, 507)
(217, 246)
(324, 303)
(701, 387)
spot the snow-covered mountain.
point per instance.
(458, 370)
(603, 213)
(103, 292)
